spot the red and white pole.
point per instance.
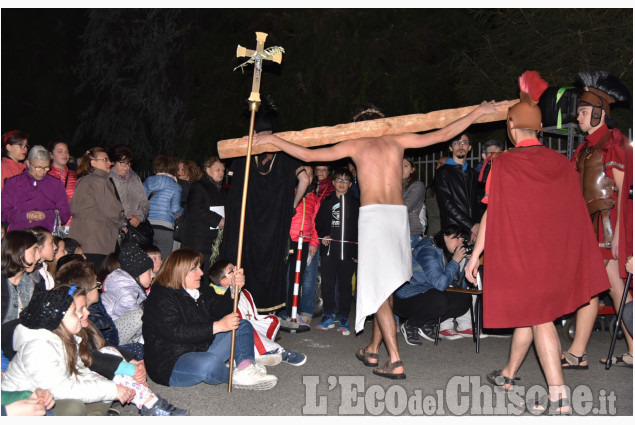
(296, 283)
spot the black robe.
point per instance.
(267, 221)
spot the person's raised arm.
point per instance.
(454, 128)
(327, 154)
(303, 184)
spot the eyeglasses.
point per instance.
(228, 273)
(124, 163)
(106, 159)
(341, 180)
(98, 286)
(461, 143)
(38, 168)
(23, 146)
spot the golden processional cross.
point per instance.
(256, 57)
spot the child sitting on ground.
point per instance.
(155, 255)
(73, 247)
(75, 272)
(47, 354)
(125, 292)
(267, 352)
(46, 245)
(109, 362)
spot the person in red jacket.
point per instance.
(59, 169)
(302, 221)
(15, 145)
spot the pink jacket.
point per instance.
(311, 205)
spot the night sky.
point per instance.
(162, 80)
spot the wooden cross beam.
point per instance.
(319, 136)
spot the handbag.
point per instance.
(58, 227)
(142, 235)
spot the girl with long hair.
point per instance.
(48, 354)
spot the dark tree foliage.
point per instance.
(128, 62)
(558, 43)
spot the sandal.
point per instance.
(364, 357)
(495, 378)
(571, 361)
(625, 360)
(551, 407)
(387, 370)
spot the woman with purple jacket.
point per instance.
(32, 197)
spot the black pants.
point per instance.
(335, 271)
(431, 305)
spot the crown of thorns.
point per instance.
(368, 111)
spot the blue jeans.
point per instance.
(209, 366)
(307, 299)
(414, 240)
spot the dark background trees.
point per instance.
(163, 80)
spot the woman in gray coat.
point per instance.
(129, 187)
(97, 213)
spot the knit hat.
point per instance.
(47, 308)
(134, 261)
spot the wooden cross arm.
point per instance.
(320, 136)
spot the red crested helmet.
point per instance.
(526, 114)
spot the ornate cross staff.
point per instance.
(256, 57)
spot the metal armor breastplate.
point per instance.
(597, 189)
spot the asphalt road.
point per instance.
(443, 380)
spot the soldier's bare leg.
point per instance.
(548, 349)
(521, 341)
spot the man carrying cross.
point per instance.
(384, 237)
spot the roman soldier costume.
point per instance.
(601, 153)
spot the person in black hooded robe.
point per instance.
(270, 206)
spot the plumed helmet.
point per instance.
(526, 114)
(600, 90)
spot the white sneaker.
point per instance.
(269, 359)
(251, 378)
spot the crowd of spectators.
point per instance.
(67, 243)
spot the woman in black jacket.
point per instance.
(205, 211)
(187, 332)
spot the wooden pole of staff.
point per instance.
(253, 107)
(257, 57)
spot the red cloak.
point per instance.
(541, 258)
(625, 241)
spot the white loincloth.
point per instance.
(265, 327)
(385, 258)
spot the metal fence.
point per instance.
(564, 142)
